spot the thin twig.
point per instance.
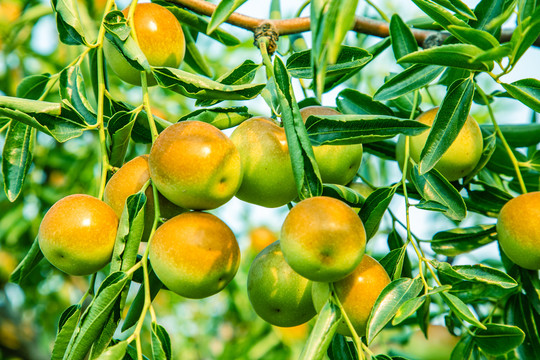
(298, 25)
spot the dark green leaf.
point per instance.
(447, 124)
(351, 101)
(68, 23)
(457, 6)
(115, 352)
(522, 40)
(222, 12)
(389, 301)
(461, 240)
(198, 87)
(28, 263)
(222, 118)
(494, 54)
(463, 350)
(439, 14)
(407, 309)
(119, 128)
(385, 149)
(453, 55)
(485, 11)
(519, 312)
(193, 57)
(350, 58)
(477, 273)
(342, 349)
(374, 208)
(17, 157)
(357, 129)
(498, 339)
(96, 315)
(344, 193)
(403, 41)
(305, 169)
(33, 87)
(504, 13)
(323, 331)
(434, 187)
(161, 343)
(138, 302)
(483, 39)
(461, 309)
(412, 78)
(66, 327)
(527, 91)
(72, 89)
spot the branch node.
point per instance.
(435, 39)
(268, 30)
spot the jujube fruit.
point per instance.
(195, 165)
(357, 294)
(460, 158)
(323, 239)
(194, 254)
(77, 234)
(518, 229)
(130, 179)
(338, 164)
(268, 178)
(277, 293)
(160, 38)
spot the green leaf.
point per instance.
(198, 87)
(527, 91)
(403, 40)
(222, 12)
(129, 234)
(28, 263)
(453, 55)
(432, 186)
(357, 129)
(119, 129)
(118, 36)
(17, 157)
(450, 118)
(323, 331)
(439, 14)
(498, 339)
(350, 58)
(463, 349)
(483, 39)
(344, 193)
(374, 208)
(522, 40)
(68, 23)
(342, 349)
(458, 7)
(161, 343)
(96, 315)
(33, 87)
(305, 169)
(73, 90)
(410, 79)
(461, 240)
(461, 309)
(199, 23)
(519, 312)
(193, 56)
(389, 301)
(30, 106)
(407, 309)
(495, 54)
(351, 101)
(477, 273)
(138, 302)
(66, 327)
(115, 352)
(497, 21)
(222, 118)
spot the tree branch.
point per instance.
(362, 25)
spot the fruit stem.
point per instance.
(146, 103)
(379, 11)
(503, 140)
(101, 127)
(356, 338)
(263, 43)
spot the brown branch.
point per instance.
(362, 25)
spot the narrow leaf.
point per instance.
(17, 157)
(498, 339)
(477, 273)
(66, 327)
(461, 240)
(28, 263)
(412, 78)
(403, 40)
(461, 309)
(527, 91)
(323, 331)
(161, 343)
(222, 118)
(374, 208)
(453, 55)
(351, 101)
(222, 12)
